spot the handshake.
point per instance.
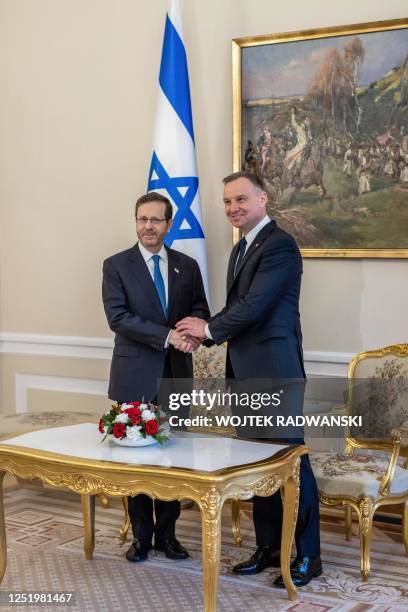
(188, 334)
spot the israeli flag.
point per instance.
(173, 169)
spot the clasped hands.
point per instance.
(188, 335)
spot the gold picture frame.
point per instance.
(328, 106)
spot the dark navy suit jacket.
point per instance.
(261, 320)
(134, 313)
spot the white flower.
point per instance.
(125, 406)
(133, 433)
(122, 417)
(143, 407)
(147, 415)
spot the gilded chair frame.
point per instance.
(365, 506)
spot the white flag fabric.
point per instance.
(173, 169)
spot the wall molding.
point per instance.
(327, 363)
(24, 382)
(319, 363)
(56, 346)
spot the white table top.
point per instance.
(184, 450)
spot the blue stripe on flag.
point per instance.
(182, 203)
(173, 76)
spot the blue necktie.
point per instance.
(159, 282)
(241, 254)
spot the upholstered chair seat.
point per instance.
(355, 475)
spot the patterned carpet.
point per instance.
(45, 541)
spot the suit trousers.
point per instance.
(141, 508)
(268, 513)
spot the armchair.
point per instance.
(378, 476)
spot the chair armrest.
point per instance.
(389, 475)
(399, 431)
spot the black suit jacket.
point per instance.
(261, 320)
(134, 313)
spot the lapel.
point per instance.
(230, 272)
(143, 277)
(261, 236)
(174, 274)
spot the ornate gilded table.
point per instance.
(207, 469)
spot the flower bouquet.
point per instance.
(134, 424)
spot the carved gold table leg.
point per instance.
(123, 532)
(104, 499)
(88, 512)
(290, 512)
(236, 521)
(211, 506)
(348, 522)
(3, 541)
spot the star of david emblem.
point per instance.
(181, 191)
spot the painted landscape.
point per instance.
(325, 122)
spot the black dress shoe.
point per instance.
(302, 570)
(263, 557)
(138, 551)
(172, 549)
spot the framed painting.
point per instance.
(322, 116)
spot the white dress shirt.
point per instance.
(163, 265)
(249, 237)
(252, 234)
(164, 269)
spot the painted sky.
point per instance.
(286, 69)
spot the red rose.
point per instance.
(119, 430)
(133, 412)
(135, 404)
(101, 426)
(134, 415)
(151, 427)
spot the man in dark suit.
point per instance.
(261, 323)
(146, 290)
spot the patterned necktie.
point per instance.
(159, 282)
(241, 254)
